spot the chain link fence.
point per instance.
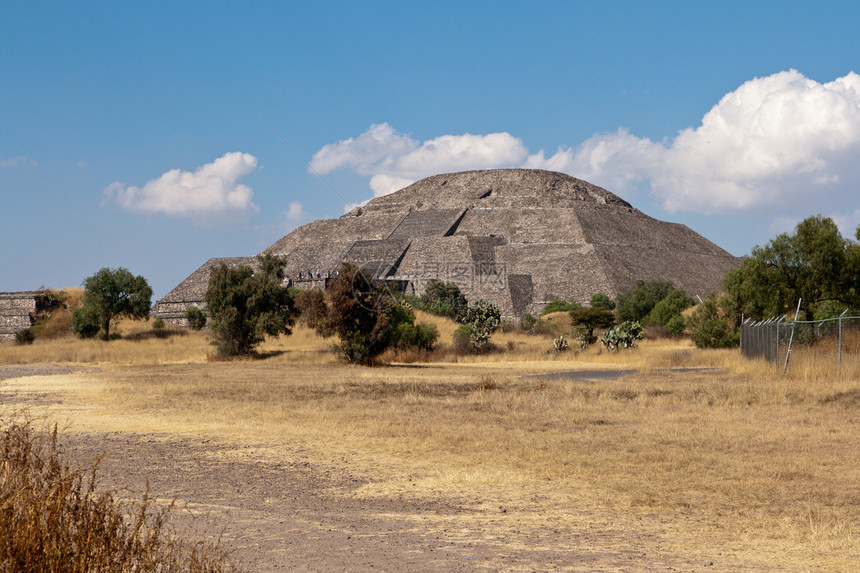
(772, 339)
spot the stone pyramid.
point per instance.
(516, 237)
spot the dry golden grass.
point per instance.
(731, 454)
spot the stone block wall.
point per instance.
(15, 312)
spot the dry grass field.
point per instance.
(691, 460)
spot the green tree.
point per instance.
(600, 300)
(814, 264)
(442, 299)
(669, 307)
(111, 294)
(585, 320)
(364, 315)
(245, 306)
(636, 303)
(195, 317)
(713, 324)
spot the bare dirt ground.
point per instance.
(302, 515)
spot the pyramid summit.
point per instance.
(517, 237)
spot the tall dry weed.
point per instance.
(54, 518)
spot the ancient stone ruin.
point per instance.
(18, 311)
(516, 237)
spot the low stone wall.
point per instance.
(15, 312)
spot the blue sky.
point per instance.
(154, 136)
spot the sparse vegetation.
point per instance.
(54, 517)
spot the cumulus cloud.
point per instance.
(783, 137)
(394, 160)
(776, 143)
(209, 194)
(295, 216)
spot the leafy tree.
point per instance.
(712, 324)
(671, 306)
(484, 318)
(600, 300)
(245, 306)
(814, 264)
(110, 294)
(364, 316)
(636, 303)
(585, 320)
(442, 299)
(85, 321)
(195, 317)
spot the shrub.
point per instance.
(364, 316)
(85, 321)
(676, 325)
(536, 326)
(712, 325)
(484, 318)
(600, 300)
(669, 307)
(636, 303)
(442, 299)
(52, 518)
(25, 336)
(195, 317)
(559, 306)
(623, 335)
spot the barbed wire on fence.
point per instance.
(772, 339)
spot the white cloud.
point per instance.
(775, 144)
(209, 194)
(17, 161)
(295, 216)
(394, 160)
(779, 138)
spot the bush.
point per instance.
(442, 299)
(600, 300)
(364, 316)
(676, 325)
(668, 308)
(536, 326)
(25, 336)
(195, 317)
(85, 321)
(636, 303)
(559, 306)
(711, 324)
(53, 518)
(484, 318)
(623, 335)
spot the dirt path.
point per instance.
(301, 515)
